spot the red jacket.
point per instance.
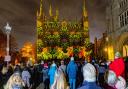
(118, 66)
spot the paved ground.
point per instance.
(41, 86)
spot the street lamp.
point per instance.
(7, 31)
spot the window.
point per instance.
(123, 3)
(123, 18)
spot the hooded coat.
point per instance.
(72, 70)
(51, 74)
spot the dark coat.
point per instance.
(89, 85)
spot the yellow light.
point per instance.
(105, 49)
(110, 53)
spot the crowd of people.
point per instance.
(73, 75)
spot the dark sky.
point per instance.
(21, 14)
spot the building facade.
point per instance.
(52, 32)
(117, 26)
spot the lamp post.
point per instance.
(7, 31)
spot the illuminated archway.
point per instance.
(122, 44)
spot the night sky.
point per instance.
(21, 14)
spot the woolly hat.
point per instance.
(45, 65)
(72, 58)
(89, 73)
(117, 55)
(121, 83)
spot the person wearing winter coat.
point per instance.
(72, 73)
(15, 82)
(51, 73)
(89, 74)
(114, 82)
(118, 65)
(45, 76)
(26, 77)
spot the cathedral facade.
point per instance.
(52, 32)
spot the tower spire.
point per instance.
(85, 18)
(50, 10)
(84, 10)
(41, 8)
(57, 14)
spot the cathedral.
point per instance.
(52, 32)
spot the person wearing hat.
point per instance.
(118, 65)
(114, 82)
(72, 73)
(89, 74)
(45, 76)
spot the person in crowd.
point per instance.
(110, 80)
(51, 72)
(101, 71)
(79, 75)
(40, 67)
(15, 82)
(45, 76)
(114, 82)
(36, 77)
(4, 73)
(60, 80)
(72, 73)
(118, 65)
(17, 68)
(26, 77)
(63, 67)
(89, 74)
(121, 83)
(9, 72)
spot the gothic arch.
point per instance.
(121, 40)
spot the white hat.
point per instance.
(72, 58)
(117, 55)
(89, 73)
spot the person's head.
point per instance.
(15, 79)
(72, 59)
(89, 73)
(45, 65)
(111, 78)
(117, 55)
(62, 62)
(121, 83)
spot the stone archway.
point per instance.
(122, 39)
